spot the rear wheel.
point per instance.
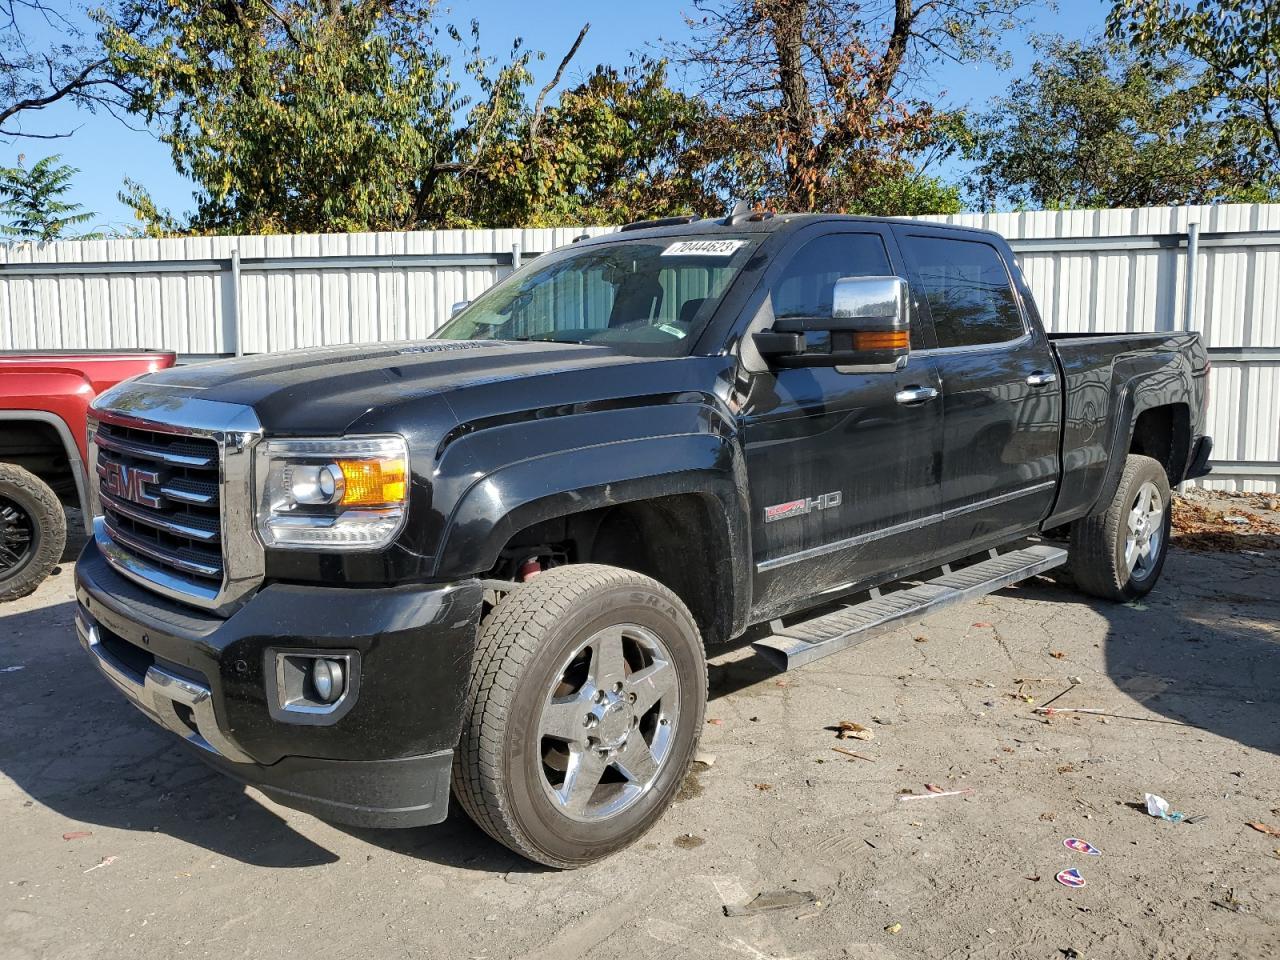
(33, 531)
(585, 704)
(1118, 554)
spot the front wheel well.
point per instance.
(676, 540)
(37, 447)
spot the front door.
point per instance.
(1001, 403)
(843, 467)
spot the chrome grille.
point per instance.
(180, 518)
(183, 534)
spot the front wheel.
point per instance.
(1118, 554)
(33, 531)
(584, 707)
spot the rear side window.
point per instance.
(967, 287)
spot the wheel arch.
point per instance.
(702, 484)
(62, 431)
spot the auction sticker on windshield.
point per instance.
(703, 248)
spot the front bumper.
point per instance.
(383, 761)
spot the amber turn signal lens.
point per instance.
(881, 340)
(373, 482)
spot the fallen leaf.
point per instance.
(1067, 768)
(1266, 828)
(1048, 817)
(933, 788)
(893, 928)
(764, 786)
(921, 639)
(77, 835)
(1034, 879)
(1057, 654)
(847, 728)
(716, 722)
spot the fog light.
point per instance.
(327, 680)
(305, 686)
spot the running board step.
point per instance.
(809, 640)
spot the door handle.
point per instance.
(913, 396)
(1040, 379)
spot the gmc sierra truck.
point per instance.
(360, 577)
(44, 400)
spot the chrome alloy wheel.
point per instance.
(1146, 531)
(608, 722)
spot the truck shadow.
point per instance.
(1203, 650)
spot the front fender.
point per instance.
(507, 498)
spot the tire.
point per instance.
(33, 531)
(549, 635)
(1098, 560)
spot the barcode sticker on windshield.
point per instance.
(703, 248)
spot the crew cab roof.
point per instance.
(775, 224)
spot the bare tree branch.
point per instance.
(538, 105)
(79, 82)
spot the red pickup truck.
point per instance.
(44, 397)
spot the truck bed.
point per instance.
(1103, 377)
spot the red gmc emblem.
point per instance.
(129, 483)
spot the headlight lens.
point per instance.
(342, 494)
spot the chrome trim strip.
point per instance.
(158, 692)
(131, 449)
(820, 551)
(177, 529)
(186, 496)
(164, 556)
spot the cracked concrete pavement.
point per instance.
(178, 861)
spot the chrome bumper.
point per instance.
(159, 693)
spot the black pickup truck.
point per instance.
(356, 577)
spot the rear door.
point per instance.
(1001, 403)
(843, 469)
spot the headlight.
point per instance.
(347, 494)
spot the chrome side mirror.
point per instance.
(869, 330)
(458, 307)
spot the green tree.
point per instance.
(1236, 44)
(1096, 126)
(329, 116)
(824, 104)
(620, 146)
(31, 202)
(319, 115)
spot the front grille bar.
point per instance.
(174, 527)
(163, 556)
(149, 451)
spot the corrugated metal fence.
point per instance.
(1091, 270)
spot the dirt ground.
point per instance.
(117, 843)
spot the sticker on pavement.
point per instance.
(703, 248)
(1070, 878)
(1081, 846)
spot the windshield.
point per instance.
(650, 297)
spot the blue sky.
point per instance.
(106, 151)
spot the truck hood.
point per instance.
(325, 389)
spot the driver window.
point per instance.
(807, 284)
